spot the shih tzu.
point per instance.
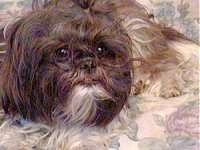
(72, 64)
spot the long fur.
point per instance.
(165, 65)
(29, 135)
(81, 104)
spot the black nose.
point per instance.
(86, 60)
(88, 64)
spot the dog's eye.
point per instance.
(101, 50)
(62, 53)
(104, 51)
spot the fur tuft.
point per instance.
(82, 104)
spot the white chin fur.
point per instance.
(81, 105)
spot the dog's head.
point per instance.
(68, 62)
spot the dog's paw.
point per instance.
(172, 85)
(138, 88)
(170, 92)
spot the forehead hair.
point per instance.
(71, 20)
(58, 24)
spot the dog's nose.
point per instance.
(86, 60)
(88, 64)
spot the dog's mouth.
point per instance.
(89, 82)
(87, 103)
(91, 99)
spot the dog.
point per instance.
(73, 64)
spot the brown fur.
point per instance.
(36, 82)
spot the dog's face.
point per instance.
(67, 65)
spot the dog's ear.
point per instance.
(9, 82)
(10, 34)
